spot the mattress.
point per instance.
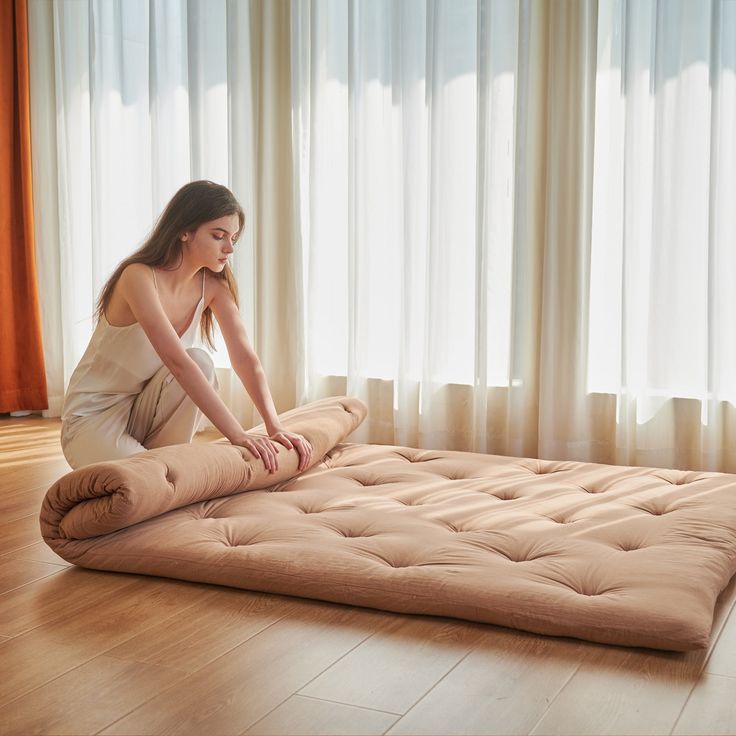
(618, 555)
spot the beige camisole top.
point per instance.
(117, 364)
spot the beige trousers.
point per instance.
(161, 414)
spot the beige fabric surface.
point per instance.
(620, 555)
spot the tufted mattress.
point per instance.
(621, 555)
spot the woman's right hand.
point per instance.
(260, 447)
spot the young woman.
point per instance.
(141, 384)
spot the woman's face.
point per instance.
(212, 242)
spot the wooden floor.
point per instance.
(87, 652)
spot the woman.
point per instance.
(141, 384)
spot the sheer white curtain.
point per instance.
(130, 100)
(514, 223)
(405, 139)
(507, 225)
(664, 229)
(419, 128)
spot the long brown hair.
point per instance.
(195, 203)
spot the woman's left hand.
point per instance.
(291, 440)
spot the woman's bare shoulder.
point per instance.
(136, 277)
(132, 281)
(136, 272)
(216, 289)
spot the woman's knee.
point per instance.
(97, 443)
(203, 359)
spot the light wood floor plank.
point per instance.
(301, 716)
(240, 687)
(33, 477)
(209, 628)
(392, 669)
(69, 593)
(14, 573)
(724, 607)
(623, 691)
(722, 660)
(502, 687)
(47, 651)
(30, 454)
(18, 505)
(19, 533)
(711, 708)
(38, 552)
(87, 698)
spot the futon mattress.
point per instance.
(619, 555)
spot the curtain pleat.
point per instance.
(22, 372)
(277, 266)
(566, 410)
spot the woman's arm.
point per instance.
(247, 366)
(139, 292)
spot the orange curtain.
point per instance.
(22, 372)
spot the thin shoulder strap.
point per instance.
(204, 275)
(153, 271)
